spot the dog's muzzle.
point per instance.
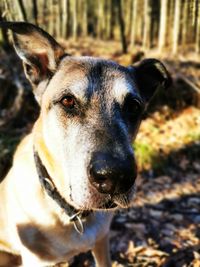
(110, 175)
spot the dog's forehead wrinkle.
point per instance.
(88, 76)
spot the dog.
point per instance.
(77, 165)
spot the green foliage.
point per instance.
(144, 154)
(150, 158)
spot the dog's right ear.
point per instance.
(39, 51)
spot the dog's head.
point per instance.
(90, 113)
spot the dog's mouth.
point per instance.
(94, 200)
(110, 204)
(118, 200)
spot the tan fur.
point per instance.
(41, 214)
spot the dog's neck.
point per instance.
(48, 185)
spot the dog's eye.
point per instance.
(132, 107)
(68, 102)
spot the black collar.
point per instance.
(74, 215)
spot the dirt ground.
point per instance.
(163, 226)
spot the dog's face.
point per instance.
(90, 113)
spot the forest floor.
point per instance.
(163, 226)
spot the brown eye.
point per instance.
(68, 102)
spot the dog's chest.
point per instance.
(63, 242)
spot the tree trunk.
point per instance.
(57, 19)
(51, 15)
(128, 14)
(45, 15)
(64, 18)
(163, 25)
(85, 17)
(147, 25)
(176, 28)
(184, 24)
(22, 10)
(35, 12)
(197, 48)
(122, 27)
(108, 18)
(192, 19)
(75, 23)
(112, 19)
(100, 23)
(133, 23)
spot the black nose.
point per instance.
(112, 175)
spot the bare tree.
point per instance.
(133, 22)
(22, 10)
(147, 25)
(163, 25)
(184, 23)
(50, 17)
(57, 19)
(197, 45)
(100, 22)
(108, 18)
(176, 28)
(75, 22)
(127, 6)
(85, 18)
(35, 12)
(112, 19)
(121, 25)
(45, 14)
(158, 23)
(64, 18)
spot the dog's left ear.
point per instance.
(38, 50)
(150, 75)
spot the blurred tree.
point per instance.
(184, 23)
(35, 12)
(133, 23)
(197, 45)
(57, 10)
(176, 28)
(50, 17)
(22, 10)
(75, 22)
(121, 25)
(163, 25)
(45, 12)
(147, 25)
(65, 7)
(127, 6)
(101, 20)
(85, 17)
(108, 18)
